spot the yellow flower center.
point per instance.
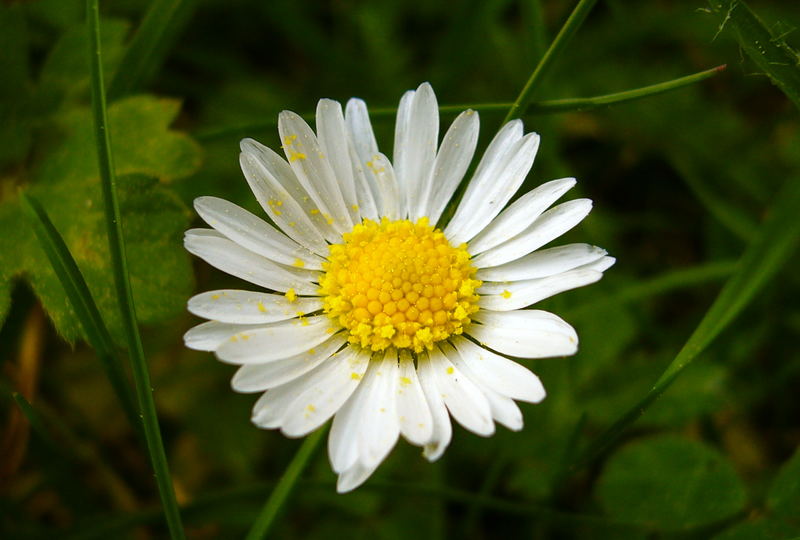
(399, 284)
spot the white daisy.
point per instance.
(380, 313)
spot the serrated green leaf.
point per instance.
(768, 50)
(66, 183)
(670, 483)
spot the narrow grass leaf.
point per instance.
(80, 297)
(145, 53)
(768, 50)
(155, 445)
(564, 36)
(266, 517)
(771, 247)
(33, 419)
(539, 107)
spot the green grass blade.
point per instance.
(141, 376)
(80, 297)
(583, 104)
(33, 419)
(769, 51)
(660, 284)
(564, 36)
(771, 247)
(731, 217)
(539, 107)
(163, 20)
(266, 517)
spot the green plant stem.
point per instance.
(147, 408)
(776, 240)
(540, 107)
(564, 36)
(266, 517)
(582, 104)
(76, 289)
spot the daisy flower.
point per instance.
(378, 309)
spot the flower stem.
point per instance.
(566, 33)
(147, 408)
(266, 517)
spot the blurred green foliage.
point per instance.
(680, 182)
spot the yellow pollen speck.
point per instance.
(506, 294)
(291, 296)
(354, 207)
(298, 263)
(312, 351)
(398, 284)
(294, 156)
(355, 376)
(450, 370)
(215, 296)
(261, 307)
(314, 211)
(405, 381)
(311, 408)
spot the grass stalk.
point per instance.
(266, 517)
(116, 243)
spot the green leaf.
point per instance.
(763, 529)
(670, 483)
(784, 496)
(768, 50)
(771, 247)
(66, 71)
(81, 301)
(66, 183)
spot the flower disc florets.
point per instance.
(399, 284)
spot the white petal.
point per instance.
(489, 197)
(292, 214)
(210, 335)
(390, 195)
(452, 161)
(366, 188)
(353, 477)
(490, 167)
(503, 408)
(260, 377)
(254, 233)
(524, 333)
(237, 261)
(543, 263)
(507, 296)
(360, 129)
(270, 408)
(600, 265)
(313, 171)
(333, 142)
(416, 422)
(442, 430)
(402, 130)
(343, 444)
(547, 227)
(325, 391)
(498, 373)
(464, 400)
(275, 341)
(246, 307)
(379, 428)
(414, 163)
(519, 214)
